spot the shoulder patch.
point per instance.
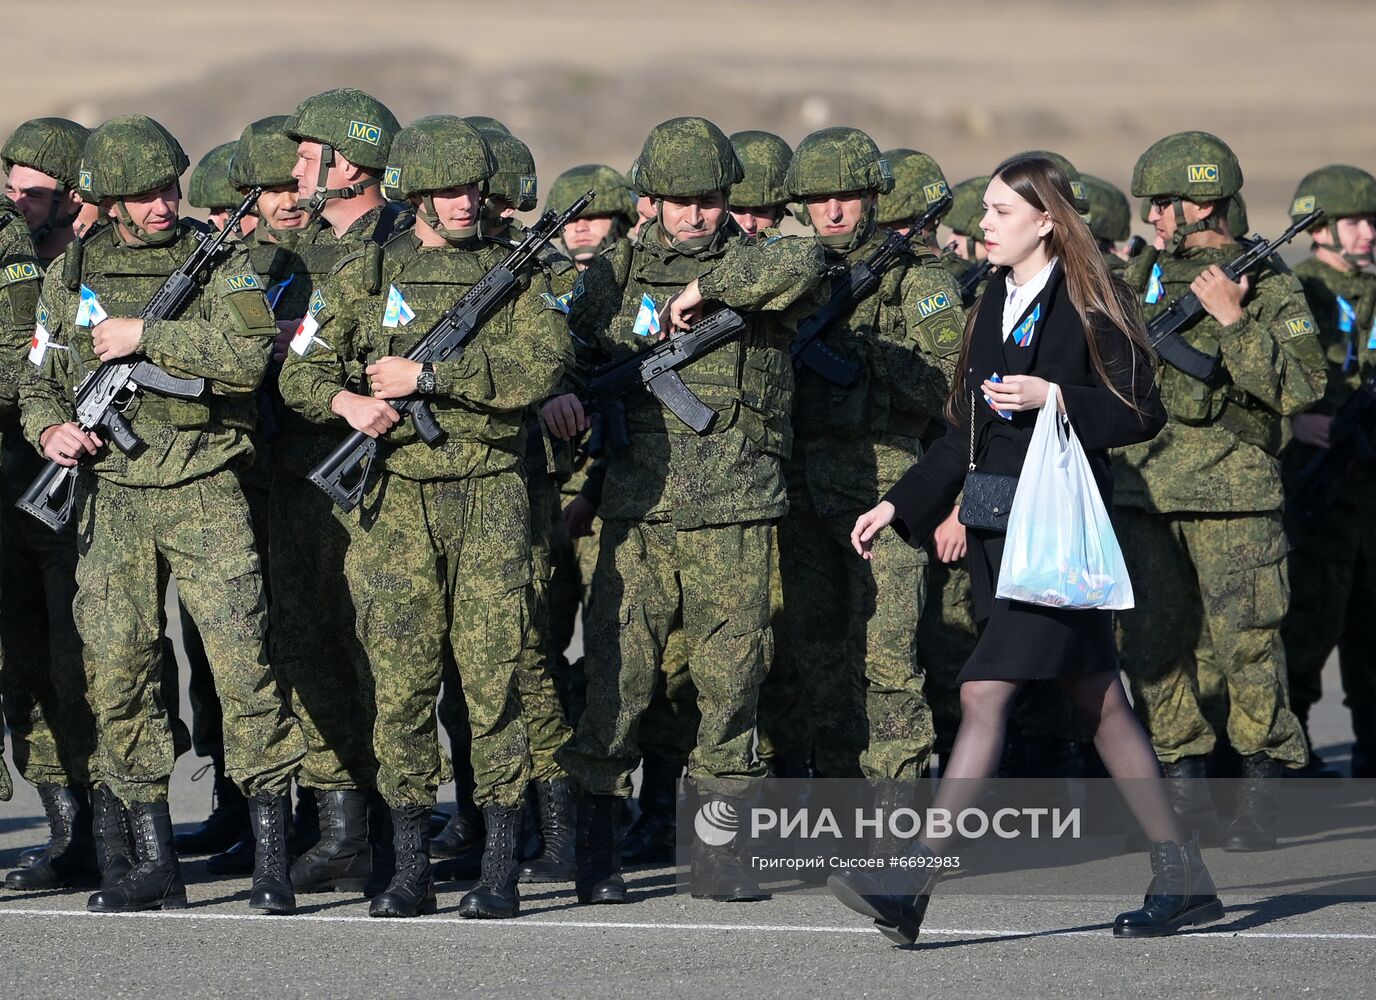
(559, 303)
(242, 282)
(317, 303)
(949, 337)
(1299, 326)
(578, 290)
(22, 271)
(41, 312)
(933, 304)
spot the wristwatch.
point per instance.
(425, 381)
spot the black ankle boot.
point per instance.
(717, 874)
(1181, 893)
(114, 836)
(463, 834)
(1188, 788)
(227, 823)
(380, 842)
(557, 863)
(412, 889)
(650, 840)
(897, 915)
(599, 862)
(70, 857)
(238, 860)
(155, 883)
(496, 897)
(1254, 815)
(341, 860)
(271, 885)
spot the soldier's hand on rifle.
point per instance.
(564, 417)
(393, 378)
(116, 338)
(578, 514)
(685, 308)
(1220, 296)
(1312, 429)
(363, 413)
(65, 443)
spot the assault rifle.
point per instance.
(343, 474)
(104, 395)
(970, 280)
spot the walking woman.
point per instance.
(1051, 315)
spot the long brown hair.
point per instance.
(1092, 289)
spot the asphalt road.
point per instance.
(665, 944)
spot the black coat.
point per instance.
(1059, 353)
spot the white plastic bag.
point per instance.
(1060, 550)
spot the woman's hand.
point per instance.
(949, 538)
(869, 524)
(1019, 392)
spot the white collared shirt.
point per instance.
(1018, 297)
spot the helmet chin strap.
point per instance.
(693, 245)
(454, 237)
(846, 242)
(54, 223)
(1357, 261)
(323, 193)
(1184, 229)
(143, 237)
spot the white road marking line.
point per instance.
(520, 922)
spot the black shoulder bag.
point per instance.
(988, 496)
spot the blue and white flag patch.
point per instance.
(397, 313)
(647, 318)
(1155, 289)
(88, 310)
(1022, 333)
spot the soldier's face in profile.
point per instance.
(752, 220)
(1357, 234)
(277, 206)
(686, 218)
(1162, 216)
(1013, 226)
(33, 193)
(307, 168)
(839, 213)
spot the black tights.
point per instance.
(1118, 736)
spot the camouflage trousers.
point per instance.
(430, 561)
(572, 561)
(1333, 594)
(716, 580)
(199, 532)
(784, 722)
(853, 625)
(44, 682)
(316, 652)
(542, 710)
(1222, 576)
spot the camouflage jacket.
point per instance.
(482, 400)
(851, 444)
(223, 335)
(731, 474)
(21, 276)
(1219, 451)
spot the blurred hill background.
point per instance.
(1289, 85)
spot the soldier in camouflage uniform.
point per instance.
(853, 623)
(966, 249)
(134, 523)
(1198, 509)
(602, 223)
(44, 684)
(760, 200)
(686, 519)
(1333, 563)
(210, 189)
(442, 545)
(918, 182)
(1110, 220)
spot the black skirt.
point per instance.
(1023, 642)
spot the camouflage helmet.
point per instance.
(52, 146)
(357, 125)
(1109, 216)
(265, 155)
(1341, 191)
(1196, 166)
(437, 153)
(485, 124)
(209, 186)
(967, 207)
(1079, 193)
(1144, 209)
(132, 154)
(684, 158)
(1237, 215)
(610, 194)
(764, 156)
(837, 159)
(514, 180)
(917, 183)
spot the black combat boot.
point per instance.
(599, 862)
(155, 883)
(29, 855)
(463, 834)
(897, 915)
(717, 873)
(557, 830)
(342, 859)
(1188, 789)
(495, 896)
(651, 838)
(114, 836)
(271, 891)
(1181, 893)
(380, 842)
(1363, 744)
(70, 857)
(412, 889)
(1254, 814)
(227, 823)
(238, 860)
